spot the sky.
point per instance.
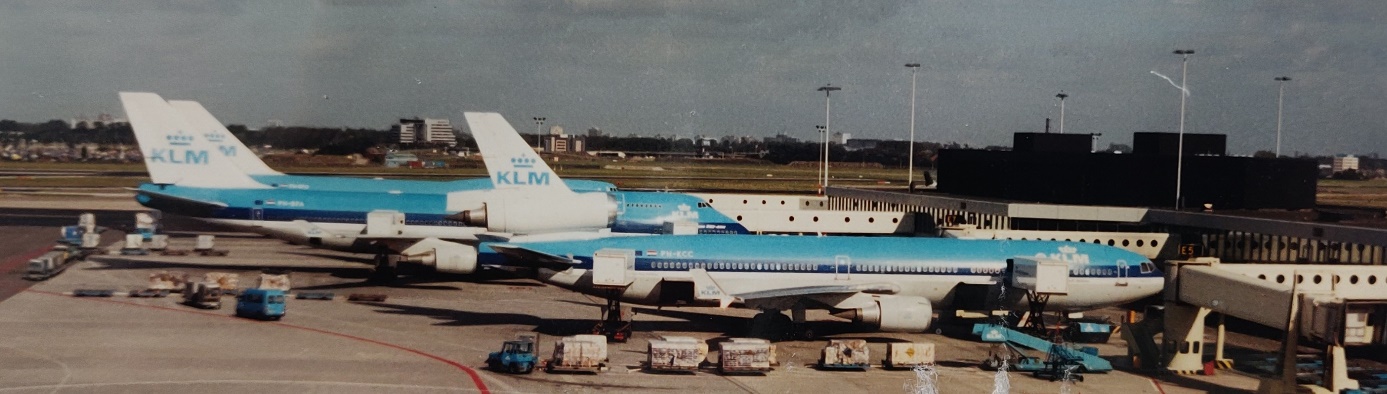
(716, 68)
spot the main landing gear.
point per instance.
(615, 323)
(385, 272)
(773, 325)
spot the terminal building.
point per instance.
(1260, 210)
(1060, 168)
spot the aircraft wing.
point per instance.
(706, 288)
(521, 255)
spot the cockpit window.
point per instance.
(1147, 267)
(703, 205)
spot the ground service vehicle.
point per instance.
(266, 304)
(52, 263)
(516, 356)
(205, 295)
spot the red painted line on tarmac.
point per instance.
(1158, 385)
(23, 258)
(476, 379)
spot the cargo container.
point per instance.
(134, 245)
(1044, 276)
(770, 355)
(676, 354)
(744, 357)
(273, 281)
(908, 354)
(206, 246)
(580, 353)
(166, 280)
(224, 280)
(845, 354)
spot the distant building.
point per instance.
(842, 138)
(706, 141)
(781, 139)
(1344, 163)
(436, 131)
(102, 120)
(407, 129)
(563, 143)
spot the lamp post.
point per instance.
(1180, 144)
(828, 126)
(1061, 96)
(823, 139)
(539, 128)
(910, 157)
(1281, 93)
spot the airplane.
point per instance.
(191, 177)
(889, 283)
(205, 124)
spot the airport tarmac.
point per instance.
(431, 334)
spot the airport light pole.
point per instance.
(1180, 144)
(823, 139)
(539, 128)
(1281, 93)
(828, 126)
(910, 157)
(1061, 96)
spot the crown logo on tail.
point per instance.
(522, 162)
(179, 139)
(216, 138)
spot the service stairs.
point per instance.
(1010, 337)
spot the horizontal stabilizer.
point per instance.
(521, 256)
(177, 204)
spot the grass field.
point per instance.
(1370, 193)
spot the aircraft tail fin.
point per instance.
(174, 152)
(510, 161)
(227, 144)
(707, 289)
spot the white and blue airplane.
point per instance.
(191, 177)
(890, 283)
(203, 123)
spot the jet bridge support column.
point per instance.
(1184, 338)
(1219, 361)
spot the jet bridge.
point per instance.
(1330, 305)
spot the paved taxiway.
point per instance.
(431, 334)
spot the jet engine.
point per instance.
(443, 256)
(543, 213)
(893, 313)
